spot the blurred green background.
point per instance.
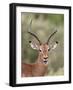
(43, 25)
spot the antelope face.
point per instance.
(43, 52)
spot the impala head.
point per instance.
(43, 48)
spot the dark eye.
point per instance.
(49, 49)
(40, 50)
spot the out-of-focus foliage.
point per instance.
(43, 25)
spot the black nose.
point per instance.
(45, 57)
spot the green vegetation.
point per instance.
(43, 25)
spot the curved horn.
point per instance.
(51, 36)
(35, 37)
(33, 33)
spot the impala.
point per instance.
(40, 67)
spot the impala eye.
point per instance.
(40, 50)
(48, 49)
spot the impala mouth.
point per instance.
(45, 61)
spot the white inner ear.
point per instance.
(54, 46)
(34, 46)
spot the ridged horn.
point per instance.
(35, 37)
(51, 36)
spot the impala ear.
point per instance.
(34, 45)
(55, 45)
